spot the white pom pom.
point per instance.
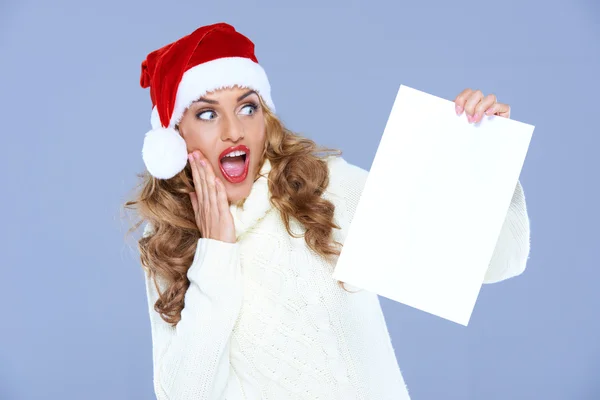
(164, 152)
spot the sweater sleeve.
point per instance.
(191, 360)
(512, 248)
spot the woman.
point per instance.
(245, 221)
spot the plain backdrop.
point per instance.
(74, 314)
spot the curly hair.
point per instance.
(299, 175)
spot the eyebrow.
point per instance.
(242, 97)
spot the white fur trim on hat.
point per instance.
(164, 152)
(213, 75)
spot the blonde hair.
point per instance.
(299, 176)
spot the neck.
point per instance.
(240, 202)
(251, 209)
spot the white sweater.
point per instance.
(263, 318)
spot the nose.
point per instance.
(233, 129)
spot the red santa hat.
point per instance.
(210, 58)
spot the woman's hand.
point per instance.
(211, 207)
(475, 105)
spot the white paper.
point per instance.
(436, 197)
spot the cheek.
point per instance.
(198, 138)
(258, 137)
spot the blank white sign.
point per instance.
(436, 197)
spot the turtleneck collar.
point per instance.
(256, 205)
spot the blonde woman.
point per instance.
(244, 223)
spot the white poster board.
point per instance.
(433, 205)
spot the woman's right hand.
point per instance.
(211, 207)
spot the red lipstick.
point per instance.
(244, 174)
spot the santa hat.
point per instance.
(210, 58)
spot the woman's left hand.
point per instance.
(476, 105)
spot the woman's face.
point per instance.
(228, 127)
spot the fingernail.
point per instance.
(469, 118)
(203, 163)
(476, 117)
(459, 109)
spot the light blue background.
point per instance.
(74, 318)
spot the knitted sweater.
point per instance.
(264, 319)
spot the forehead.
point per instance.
(228, 92)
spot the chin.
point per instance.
(238, 170)
(237, 191)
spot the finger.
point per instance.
(460, 100)
(195, 179)
(499, 109)
(204, 202)
(208, 170)
(212, 197)
(222, 198)
(474, 99)
(487, 102)
(211, 191)
(194, 200)
(226, 218)
(209, 181)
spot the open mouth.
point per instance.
(234, 163)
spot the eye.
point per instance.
(249, 109)
(206, 115)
